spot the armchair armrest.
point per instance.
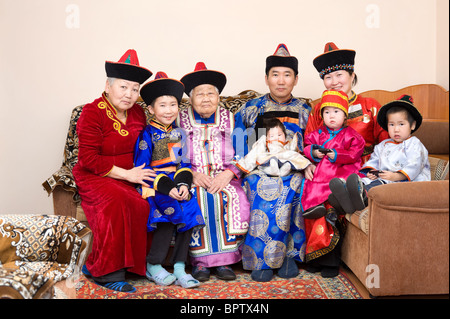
(431, 196)
(408, 237)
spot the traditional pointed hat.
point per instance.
(405, 101)
(202, 75)
(161, 85)
(127, 68)
(336, 99)
(334, 59)
(282, 57)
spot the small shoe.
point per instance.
(225, 273)
(120, 286)
(85, 271)
(289, 269)
(263, 275)
(339, 190)
(201, 273)
(332, 200)
(162, 278)
(355, 188)
(312, 269)
(187, 281)
(315, 212)
(329, 272)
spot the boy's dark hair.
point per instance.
(400, 109)
(273, 122)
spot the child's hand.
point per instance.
(318, 154)
(371, 176)
(331, 155)
(174, 194)
(183, 192)
(392, 176)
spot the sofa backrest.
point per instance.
(432, 101)
(435, 136)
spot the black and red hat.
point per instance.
(202, 75)
(127, 68)
(282, 57)
(334, 59)
(404, 101)
(162, 85)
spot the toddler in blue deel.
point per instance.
(172, 208)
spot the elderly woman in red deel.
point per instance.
(105, 176)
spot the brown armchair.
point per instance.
(399, 244)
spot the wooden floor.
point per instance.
(365, 294)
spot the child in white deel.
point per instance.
(272, 154)
(401, 158)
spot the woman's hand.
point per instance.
(202, 180)
(220, 181)
(136, 175)
(139, 175)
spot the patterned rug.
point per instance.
(304, 286)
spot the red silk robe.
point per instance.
(114, 209)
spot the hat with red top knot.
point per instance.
(404, 101)
(336, 99)
(160, 86)
(127, 68)
(334, 59)
(202, 75)
(282, 57)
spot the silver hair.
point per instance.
(111, 80)
(217, 90)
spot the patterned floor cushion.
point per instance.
(24, 284)
(48, 245)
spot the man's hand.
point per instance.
(309, 172)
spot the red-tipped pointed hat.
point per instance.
(282, 57)
(160, 86)
(333, 59)
(202, 75)
(127, 68)
(404, 101)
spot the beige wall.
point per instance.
(52, 55)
